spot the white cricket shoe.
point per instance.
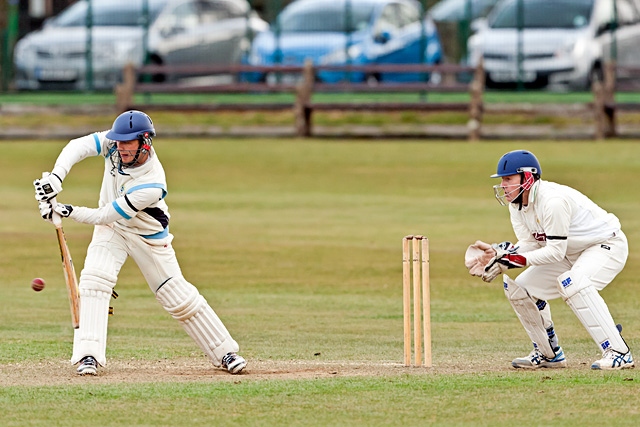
(88, 366)
(233, 363)
(613, 361)
(536, 360)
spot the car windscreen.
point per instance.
(108, 13)
(542, 14)
(322, 17)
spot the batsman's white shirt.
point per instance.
(132, 217)
(132, 199)
(561, 229)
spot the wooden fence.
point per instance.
(603, 109)
(306, 86)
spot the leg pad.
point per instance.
(183, 301)
(529, 314)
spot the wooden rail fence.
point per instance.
(307, 84)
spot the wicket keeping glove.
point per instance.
(507, 255)
(492, 271)
(47, 187)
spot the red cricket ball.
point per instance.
(37, 284)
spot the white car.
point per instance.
(178, 32)
(563, 43)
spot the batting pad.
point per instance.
(183, 301)
(589, 307)
(90, 339)
(529, 315)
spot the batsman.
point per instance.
(569, 248)
(132, 219)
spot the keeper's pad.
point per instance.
(183, 301)
(529, 314)
(90, 339)
(587, 304)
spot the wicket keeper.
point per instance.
(569, 247)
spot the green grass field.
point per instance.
(297, 246)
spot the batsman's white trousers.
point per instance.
(107, 252)
(600, 263)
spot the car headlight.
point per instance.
(340, 56)
(575, 48)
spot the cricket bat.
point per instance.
(70, 277)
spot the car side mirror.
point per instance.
(606, 27)
(382, 37)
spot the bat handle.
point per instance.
(56, 218)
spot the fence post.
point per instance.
(609, 100)
(598, 108)
(302, 106)
(476, 90)
(124, 90)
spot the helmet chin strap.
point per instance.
(526, 182)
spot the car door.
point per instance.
(397, 35)
(627, 34)
(223, 31)
(386, 36)
(178, 41)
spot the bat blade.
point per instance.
(70, 277)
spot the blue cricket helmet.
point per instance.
(131, 125)
(516, 162)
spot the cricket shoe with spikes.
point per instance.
(88, 366)
(536, 360)
(233, 363)
(613, 360)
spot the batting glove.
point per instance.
(46, 210)
(47, 187)
(63, 210)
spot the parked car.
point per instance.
(564, 42)
(357, 32)
(179, 32)
(453, 19)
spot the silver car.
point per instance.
(178, 32)
(563, 44)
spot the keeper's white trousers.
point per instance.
(600, 263)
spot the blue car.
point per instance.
(347, 32)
